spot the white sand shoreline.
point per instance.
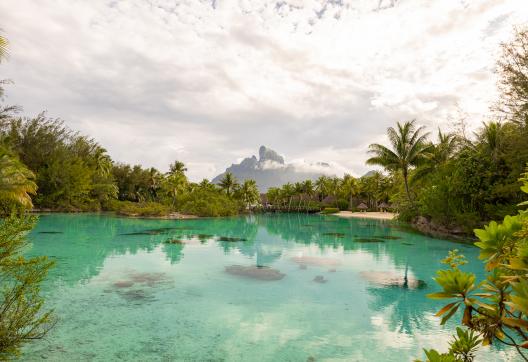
(367, 215)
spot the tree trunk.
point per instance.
(406, 181)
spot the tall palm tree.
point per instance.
(491, 137)
(298, 190)
(438, 154)
(154, 182)
(321, 185)
(333, 187)
(349, 188)
(175, 183)
(177, 166)
(16, 180)
(408, 149)
(206, 185)
(308, 190)
(103, 162)
(249, 193)
(287, 192)
(228, 183)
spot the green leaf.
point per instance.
(441, 295)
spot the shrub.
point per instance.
(208, 203)
(329, 210)
(342, 204)
(23, 318)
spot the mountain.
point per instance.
(369, 174)
(271, 170)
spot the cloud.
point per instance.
(208, 81)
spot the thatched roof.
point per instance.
(362, 206)
(329, 200)
(383, 205)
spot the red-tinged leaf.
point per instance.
(445, 309)
(515, 322)
(466, 319)
(448, 315)
(524, 344)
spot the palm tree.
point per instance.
(491, 137)
(438, 154)
(249, 193)
(321, 186)
(177, 166)
(154, 182)
(103, 162)
(206, 185)
(349, 188)
(274, 195)
(308, 190)
(298, 190)
(175, 180)
(228, 183)
(409, 147)
(333, 187)
(16, 180)
(287, 192)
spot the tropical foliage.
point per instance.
(494, 310)
(22, 317)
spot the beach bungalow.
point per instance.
(362, 207)
(383, 207)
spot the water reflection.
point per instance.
(323, 260)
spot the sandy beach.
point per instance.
(367, 215)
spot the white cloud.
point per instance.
(205, 81)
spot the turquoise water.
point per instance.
(256, 288)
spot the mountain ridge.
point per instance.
(271, 170)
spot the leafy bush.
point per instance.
(329, 210)
(208, 203)
(23, 317)
(342, 204)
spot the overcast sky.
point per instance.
(208, 82)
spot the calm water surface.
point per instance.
(258, 288)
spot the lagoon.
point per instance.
(279, 287)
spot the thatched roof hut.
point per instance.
(362, 207)
(383, 206)
(329, 200)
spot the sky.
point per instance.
(207, 82)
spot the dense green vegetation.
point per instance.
(495, 310)
(22, 317)
(44, 164)
(70, 172)
(344, 193)
(483, 179)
